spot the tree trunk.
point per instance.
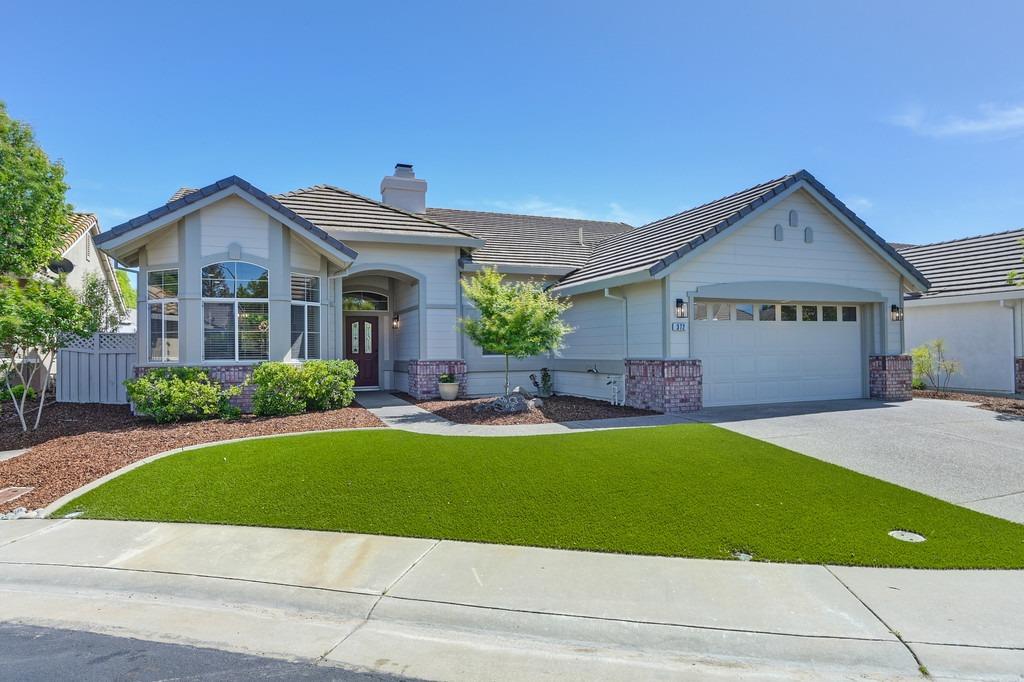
(506, 374)
(42, 397)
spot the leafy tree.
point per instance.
(932, 367)
(36, 317)
(518, 320)
(34, 216)
(99, 299)
(127, 289)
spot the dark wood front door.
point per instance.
(361, 347)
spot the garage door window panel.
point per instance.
(829, 313)
(766, 313)
(849, 313)
(809, 313)
(744, 312)
(720, 311)
(787, 313)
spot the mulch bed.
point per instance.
(561, 408)
(78, 443)
(1002, 404)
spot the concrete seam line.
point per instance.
(369, 613)
(253, 581)
(37, 531)
(953, 645)
(994, 497)
(896, 634)
(634, 621)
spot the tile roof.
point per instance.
(231, 181)
(657, 245)
(333, 208)
(80, 224)
(529, 239)
(972, 265)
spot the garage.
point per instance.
(767, 352)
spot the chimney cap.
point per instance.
(403, 165)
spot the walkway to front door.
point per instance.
(362, 348)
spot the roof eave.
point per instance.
(120, 241)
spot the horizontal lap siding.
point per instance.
(231, 221)
(750, 253)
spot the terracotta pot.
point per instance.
(448, 391)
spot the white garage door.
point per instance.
(771, 352)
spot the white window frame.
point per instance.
(305, 305)
(162, 302)
(234, 313)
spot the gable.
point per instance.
(834, 255)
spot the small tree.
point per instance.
(36, 317)
(97, 297)
(931, 366)
(517, 320)
(34, 216)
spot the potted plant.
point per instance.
(448, 386)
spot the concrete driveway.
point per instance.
(947, 449)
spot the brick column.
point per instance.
(423, 376)
(890, 377)
(669, 386)
(1018, 375)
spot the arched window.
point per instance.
(364, 300)
(236, 316)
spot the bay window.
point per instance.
(305, 317)
(236, 312)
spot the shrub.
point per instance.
(280, 389)
(19, 391)
(329, 384)
(170, 394)
(932, 367)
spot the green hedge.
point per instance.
(284, 388)
(171, 394)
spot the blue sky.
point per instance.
(912, 112)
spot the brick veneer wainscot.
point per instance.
(669, 386)
(225, 375)
(890, 377)
(423, 376)
(1018, 375)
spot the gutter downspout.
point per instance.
(625, 333)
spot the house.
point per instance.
(775, 293)
(80, 258)
(972, 306)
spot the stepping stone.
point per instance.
(11, 494)
(11, 454)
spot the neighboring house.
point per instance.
(81, 254)
(973, 308)
(776, 293)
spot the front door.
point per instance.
(361, 347)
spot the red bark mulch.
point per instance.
(1002, 404)
(78, 443)
(561, 408)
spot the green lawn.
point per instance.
(690, 490)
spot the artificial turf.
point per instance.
(690, 490)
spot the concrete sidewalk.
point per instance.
(453, 610)
(400, 414)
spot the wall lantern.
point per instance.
(680, 308)
(395, 322)
(896, 313)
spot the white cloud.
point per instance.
(860, 203)
(533, 205)
(991, 120)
